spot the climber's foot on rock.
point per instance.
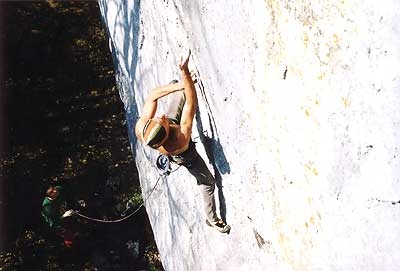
(220, 225)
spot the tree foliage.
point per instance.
(64, 123)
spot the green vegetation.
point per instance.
(63, 122)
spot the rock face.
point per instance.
(298, 118)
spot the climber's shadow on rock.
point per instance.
(216, 156)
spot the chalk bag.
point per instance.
(163, 164)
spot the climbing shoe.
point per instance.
(220, 225)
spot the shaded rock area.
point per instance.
(62, 122)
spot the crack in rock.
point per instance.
(386, 201)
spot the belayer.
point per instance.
(170, 134)
(56, 213)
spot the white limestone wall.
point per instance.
(298, 107)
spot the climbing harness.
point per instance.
(163, 163)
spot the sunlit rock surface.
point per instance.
(298, 117)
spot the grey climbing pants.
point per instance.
(206, 181)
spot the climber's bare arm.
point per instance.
(150, 104)
(189, 109)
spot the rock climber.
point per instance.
(171, 136)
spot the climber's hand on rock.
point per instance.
(184, 62)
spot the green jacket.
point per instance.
(52, 210)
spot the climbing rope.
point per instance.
(109, 221)
(164, 166)
(126, 217)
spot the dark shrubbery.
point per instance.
(64, 123)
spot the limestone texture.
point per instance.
(298, 118)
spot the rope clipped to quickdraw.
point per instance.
(163, 167)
